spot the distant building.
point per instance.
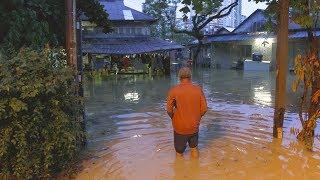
(234, 18)
(181, 24)
(243, 17)
(230, 21)
(211, 28)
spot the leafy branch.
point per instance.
(205, 12)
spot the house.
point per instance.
(224, 49)
(130, 36)
(222, 30)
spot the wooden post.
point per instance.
(79, 57)
(281, 68)
(71, 33)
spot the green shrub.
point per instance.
(40, 132)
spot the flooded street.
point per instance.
(130, 136)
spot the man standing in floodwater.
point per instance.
(186, 104)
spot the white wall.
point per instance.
(265, 49)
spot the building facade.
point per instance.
(243, 17)
(234, 18)
(129, 48)
(224, 50)
(130, 35)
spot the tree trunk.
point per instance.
(306, 136)
(282, 67)
(71, 33)
(196, 54)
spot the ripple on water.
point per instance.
(235, 138)
(229, 142)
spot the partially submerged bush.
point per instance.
(307, 70)
(40, 132)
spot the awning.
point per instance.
(127, 45)
(302, 34)
(248, 37)
(236, 37)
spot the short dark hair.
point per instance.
(185, 73)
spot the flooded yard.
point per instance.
(130, 136)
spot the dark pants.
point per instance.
(180, 141)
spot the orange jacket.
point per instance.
(187, 104)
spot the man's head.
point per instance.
(185, 73)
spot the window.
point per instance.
(147, 31)
(121, 30)
(139, 31)
(132, 30)
(247, 51)
(127, 30)
(89, 29)
(116, 30)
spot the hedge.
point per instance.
(40, 128)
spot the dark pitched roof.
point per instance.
(258, 11)
(246, 37)
(292, 25)
(126, 45)
(117, 12)
(302, 34)
(234, 37)
(222, 30)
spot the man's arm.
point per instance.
(170, 104)
(170, 114)
(203, 104)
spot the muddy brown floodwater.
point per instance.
(130, 135)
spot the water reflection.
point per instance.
(130, 134)
(132, 96)
(262, 96)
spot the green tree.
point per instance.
(205, 11)
(182, 38)
(159, 10)
(164, 11)
(34, 23)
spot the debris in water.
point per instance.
(137, 136)
(282, 158)
(242, 150)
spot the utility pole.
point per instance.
(281, 67)
(71, 33)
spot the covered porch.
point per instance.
(128, 55)
(227, 50)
